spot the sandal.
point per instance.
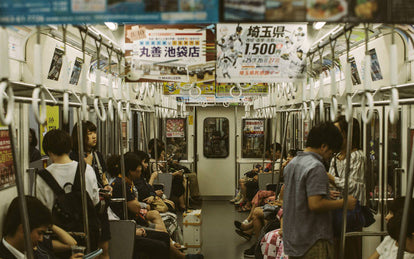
(244, 209)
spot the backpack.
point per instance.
(67, 211)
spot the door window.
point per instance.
(216, 137)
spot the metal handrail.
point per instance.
(346, 186)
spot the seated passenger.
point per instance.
(145, 190)
(389, 246)
(12, 245)
(249, 184)
(177, 188)
(136, 210)
(154, 243)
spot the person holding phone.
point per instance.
(95, 159)
(40, 220)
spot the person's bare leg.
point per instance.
(258, 221)
(105, 250)
(154, 217)
(249, 218)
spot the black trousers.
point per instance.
(155, 244)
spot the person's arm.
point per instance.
(331, 178)
(134, 206)
(318, 203)
(375, 255)
(64, 242)
(154, 176)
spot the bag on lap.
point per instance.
(67, 211)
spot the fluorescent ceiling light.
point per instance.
(112, 26)
(318, 25)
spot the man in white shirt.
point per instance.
(57, 145)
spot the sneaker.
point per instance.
(249, 253)
(238, 196)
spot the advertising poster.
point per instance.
(375, 66)
(175, 128)
(253, 138)
(173, 88)
(176, 139)
(76, 71)
(326, 10)
(124, 128)
(7, 172)
(176, 53)
(29, 12)
(356, 80)
(260, 53)
(55, 65)
(223, 89)
(52, 122)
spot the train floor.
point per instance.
(220, 241)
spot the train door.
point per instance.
(216, 166)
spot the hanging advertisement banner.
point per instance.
(223, 89)
(7, 172)
(178, 53)
(30, 12)
(174, 88)
(260, 53)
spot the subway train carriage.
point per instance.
(206, 129)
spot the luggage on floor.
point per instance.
(192, 231)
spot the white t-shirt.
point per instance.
(65, 173)
(387, 249)
(14, 251)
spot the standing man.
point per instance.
(307, 225)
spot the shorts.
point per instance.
(321, 249)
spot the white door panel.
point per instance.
(215, 175)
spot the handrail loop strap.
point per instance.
(8, 118)
(39, 91)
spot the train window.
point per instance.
(176, 138)
(394, 159)
(253, 138)
(372, 172)
(216, 137)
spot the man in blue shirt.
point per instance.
(307, 225)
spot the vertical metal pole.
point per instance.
(283, 145)
(144, 131)
(235, 147)
(82, 167)
(407, 202)
(154, 123)
(274, 147)
(121, 150)
(163, 136)
(20, 191)
(346, 187)
(264, 143)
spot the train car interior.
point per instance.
(217, 110)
